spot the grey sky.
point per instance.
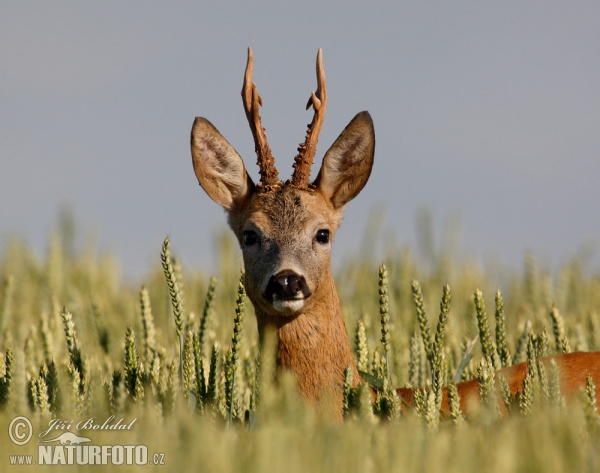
(488, 110)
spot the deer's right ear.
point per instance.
(347, 165)
(218, 167)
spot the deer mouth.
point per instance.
(287, 292)
(288, 306)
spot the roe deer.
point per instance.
(285, 231)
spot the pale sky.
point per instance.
(485, 110)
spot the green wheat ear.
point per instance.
(156, 374)
(361, 347)
(54, 397)
(32, 394)
(505, 393)
(132, 368)
(205, 320)
(234, 355)
(201, 386)
(387, 403)
(522, 343)
(6, 377)
(348, 383)
(487, 347)
(456, 414)
(41, 391)
(525, 398)
(174, 291)
(420, 397)
(431, 412)
(415, 363)
(176, 297)
(487, 384)
(378, 365)
(591, 406)
(538, 345)
(229, 408)
(147, 325)
(543, 383)
(437, 363)
(253, 373)
(77, 367)
(70, 334)
(212, 389)
(558, 327)
(440, 334)
(178, 271)
(501, 343)
(117, 393)
(365, 404)
(385, 317)
(78, 394)
(422, 317)
(189, 363)
(170, 387)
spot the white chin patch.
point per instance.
(288, 306)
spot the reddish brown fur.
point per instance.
(312, 338)
(573, 369)
(314, 347)
(286, 220)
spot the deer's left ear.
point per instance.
(219, 169)
(347, 165)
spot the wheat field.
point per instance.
(175, 366)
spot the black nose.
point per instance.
(286, 285)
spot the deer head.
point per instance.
(285, 230)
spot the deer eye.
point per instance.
(250, 238)
(323, 236)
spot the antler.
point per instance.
(306, 150)
(269, 177)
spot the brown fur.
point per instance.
(312, 340)
(313, 345)
(573, 370)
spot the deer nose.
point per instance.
(287, 285)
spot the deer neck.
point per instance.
(314, 346)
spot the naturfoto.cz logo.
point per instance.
(68, 448)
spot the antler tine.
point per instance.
(306, 150)
(269, 176)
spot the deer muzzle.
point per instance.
(287, 291)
